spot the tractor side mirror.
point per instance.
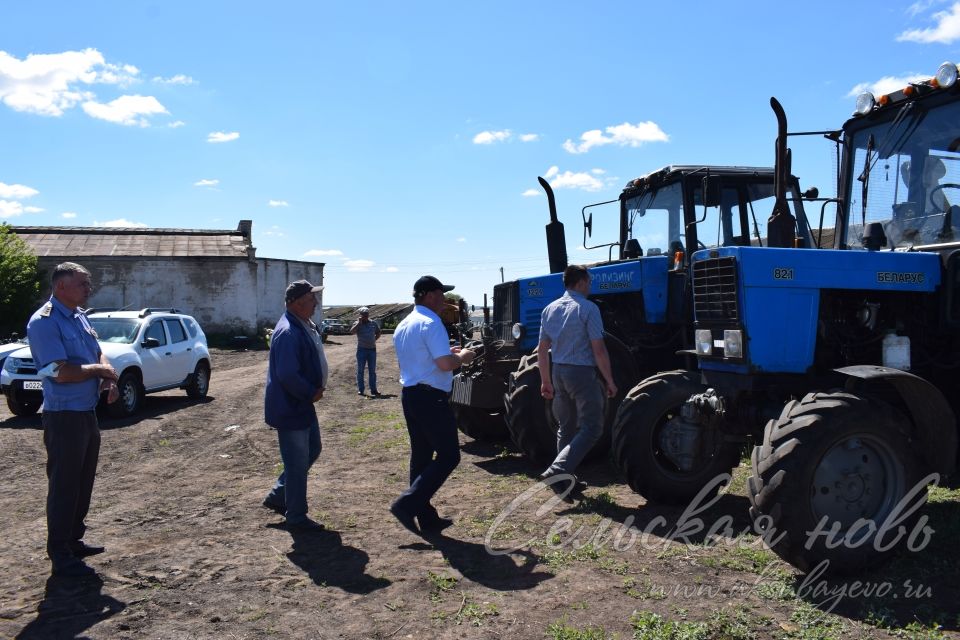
(811, 194)
(711, 191)
(588, 224)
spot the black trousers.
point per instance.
(433, 432)
(72, 440)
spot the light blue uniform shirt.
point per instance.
(419, 339)
(570, 323)
(59, 334)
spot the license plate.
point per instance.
(33, 385)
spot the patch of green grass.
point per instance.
(643, 590)
(164, 442)
(440, 584)
(560, 630)
(650, 626)
(475, 614)
(559, 558)
(813, 624)
(618, 567)
(741, 557)
(942, 494)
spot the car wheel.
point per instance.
(200, 381)
(131, 396)
(19, 408)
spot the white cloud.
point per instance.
(461, 239)
(51, 83)
(885, 85)
(359, 265)
(489, 137)
(323, 252)
(10, 209)
(120, 222)
(597, 172)
(531, 193)
(571, 180)
(274, 232)
(278, 203)
(177, 79)
(529, 137)
(622, 135)
(946, 30)
(69, 215)
(126, 110)
(391, 270)
(16, 191)
(176, 124)
(221, 136)
(206, 183)
(33, 210)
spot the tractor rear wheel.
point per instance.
(647, 410)
(836, 460)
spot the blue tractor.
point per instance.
(643, 291)
(842, 363)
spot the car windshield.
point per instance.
(123, 330)
(907, 171)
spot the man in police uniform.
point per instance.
(427, 362)
(75, 371)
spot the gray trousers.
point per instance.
(72, 440)
(578, 407)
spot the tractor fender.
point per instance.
(934, 423)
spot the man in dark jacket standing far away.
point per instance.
(296, 378)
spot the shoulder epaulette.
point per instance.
(46, 309)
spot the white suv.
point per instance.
(152, 350)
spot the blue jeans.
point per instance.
(367, 357)
(433, 430)
(578, 407)
(299, 449)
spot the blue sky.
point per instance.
(389, 140)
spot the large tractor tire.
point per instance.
(838, 460)
(643, 414)
(485, 425)
(529, 419)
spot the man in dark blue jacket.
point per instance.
(296, 378)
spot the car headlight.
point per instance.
(704, 339)
(11, 364)
(517, 331)
(732, 343)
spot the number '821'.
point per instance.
(783, 273)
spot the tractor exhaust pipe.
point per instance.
(556, 238)
(781, 226)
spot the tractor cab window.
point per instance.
(741, 217)
(655, 219)
(907, 170)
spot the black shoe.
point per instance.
(81, 549)
(564, 484)
(431, 522)
(405, 518)
(71, 567)
(305, 526)
(274, 506)
(375, 394)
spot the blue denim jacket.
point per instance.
(293, 377)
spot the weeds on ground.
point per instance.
(560, 630)
(440, 584)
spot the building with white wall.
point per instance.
(213, 275)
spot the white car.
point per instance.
(152, 350)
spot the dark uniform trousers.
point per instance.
(72, 440)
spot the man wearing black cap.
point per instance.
(427, 362)
(296, 378)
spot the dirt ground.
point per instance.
(191, 553)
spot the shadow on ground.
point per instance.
(69, 607)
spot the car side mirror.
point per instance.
(150, 343)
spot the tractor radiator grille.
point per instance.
(715, 290)
(506, 309)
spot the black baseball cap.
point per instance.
(427, 284)
(300, 288)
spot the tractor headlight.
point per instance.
(517, 331)
(946, 75)
(732, 343)
(865, 103)
(704, 339)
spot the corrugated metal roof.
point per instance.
(134, 242)
(377, 311)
